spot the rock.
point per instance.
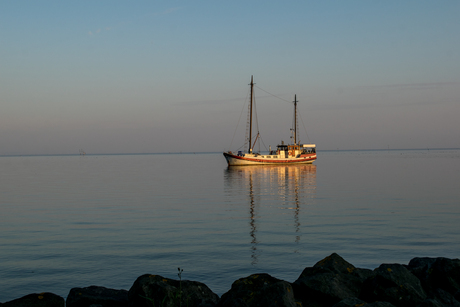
(437, 273)
(44, 299)
(330, 281)
(97, 296)
(395, 284)
(160, 291)
(356, 302)
(350, 302)
(259, 290)
(379, 304)
(440, 298)
(419, 265)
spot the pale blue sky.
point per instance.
(161, 76)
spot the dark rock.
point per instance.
(356, 302)
(155, 290)
(395, 284)
(434, 273)
(378, 304)
(440, 298)
(329, 281)
(429, 302)
(97, 296)
(44, 299)
(259, 290)
(418, 266)
(350, 302)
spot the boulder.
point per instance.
(155, 290)
(356, 302)
(440, 298)
(259, 290)
(437, 273)
(94, 295)
(395, 284)
(44, 299)
(350, 302)
(378, 304)
(330, 281)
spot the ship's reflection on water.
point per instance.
(271, 188)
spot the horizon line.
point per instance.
(214, 152)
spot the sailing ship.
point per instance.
(295, 153)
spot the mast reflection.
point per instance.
(252, 222)
(288, 187)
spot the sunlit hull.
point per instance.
(252, 159)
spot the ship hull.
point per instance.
(235, 160)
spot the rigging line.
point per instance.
(241, 114)
(304, 129)
(272, 94)
(262, 141)
(241, 146)
(255, 111)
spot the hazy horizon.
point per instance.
(157, 77)
(215, 152)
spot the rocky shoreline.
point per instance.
(332, 282)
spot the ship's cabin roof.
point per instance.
(296, 146)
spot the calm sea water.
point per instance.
(76, 221)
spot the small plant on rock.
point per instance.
(179, 295)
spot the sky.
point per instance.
(172, 76)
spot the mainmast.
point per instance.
(250, 116)
(295, 119)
